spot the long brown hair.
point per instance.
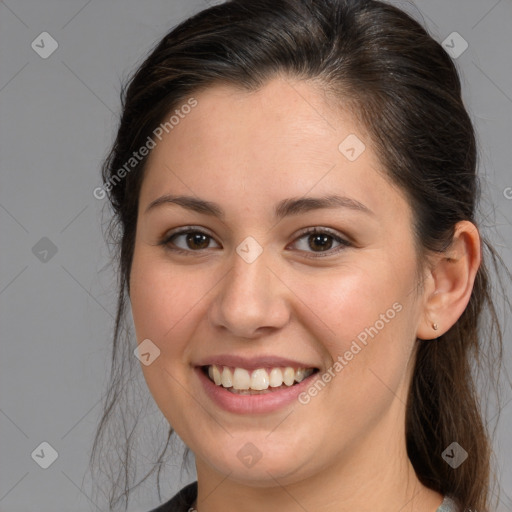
(406, 90)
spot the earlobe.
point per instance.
(452, 278)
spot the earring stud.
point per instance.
(435, 327)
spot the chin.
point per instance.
(262, 470)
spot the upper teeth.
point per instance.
(260, 379)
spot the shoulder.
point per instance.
(448, 505)
(181, 501)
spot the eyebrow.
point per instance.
(285, 208)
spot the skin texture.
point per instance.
(345, 449)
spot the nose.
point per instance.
(251, 299)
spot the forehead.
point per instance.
(285, 139)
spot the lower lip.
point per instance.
(252, 404)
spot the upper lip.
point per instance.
(252, 363)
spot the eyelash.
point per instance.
(166, 242)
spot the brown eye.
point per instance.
(197, 241)
(321, 242)
(187, 241)
(317, 241)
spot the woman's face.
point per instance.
(254, 289)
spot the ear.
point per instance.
(449, 282)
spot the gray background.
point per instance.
(58, 118)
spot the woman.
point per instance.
(294, 183)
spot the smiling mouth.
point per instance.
(260, 381)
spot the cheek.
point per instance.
(161, 299)
(163, 302)
(351, 302)
(362, 318)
